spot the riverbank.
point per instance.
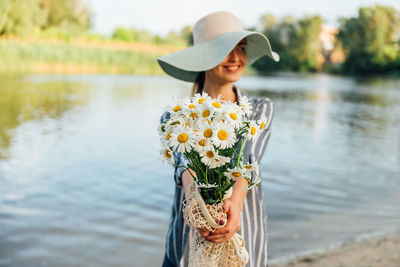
(383, 250)
(53, 56)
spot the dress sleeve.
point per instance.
(180, 159)
(181, 162)
(263, 105)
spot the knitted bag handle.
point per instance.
(204, 209)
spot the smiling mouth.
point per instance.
(232, 68)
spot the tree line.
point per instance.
(369, 42)
(41, 17)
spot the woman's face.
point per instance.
(232, 67)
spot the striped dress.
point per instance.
(253, 218)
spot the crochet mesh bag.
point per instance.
(203, 253)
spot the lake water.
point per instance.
(81, 182)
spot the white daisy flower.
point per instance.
(234, 173)
(166, 155)
(206, 130)
(199, 99)
(206, 110)
(202, 144)
(176, 105)
(190, 111)
(224, 135)
(246, 106)
(233, 114)
(252, 167)
(165, 138)
(182, 138)
(217, 102)
(203, 185)
(210, 158)
(254, 130)
(221, 160)
(263, 121)
(252, 172)
(179, 119)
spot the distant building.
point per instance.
(331, 53)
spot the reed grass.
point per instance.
(63, 57)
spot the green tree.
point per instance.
(295, 40)
(22, 17)
(187, 34)
(69, 16)
(124, 34)
(371, 40)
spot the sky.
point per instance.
(163, 16)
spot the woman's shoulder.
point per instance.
(261, 100)
(262, 105)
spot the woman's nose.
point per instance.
(233, 56)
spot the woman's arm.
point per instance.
(232, 206)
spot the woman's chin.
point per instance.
(233, 77)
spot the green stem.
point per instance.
(206, 175)
(240, 152)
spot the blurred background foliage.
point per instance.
(45, 35)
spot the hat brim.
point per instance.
(187, 63)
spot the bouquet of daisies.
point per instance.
(211, 134)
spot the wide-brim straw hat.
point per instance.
(214, 37)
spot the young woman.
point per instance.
(221, 51)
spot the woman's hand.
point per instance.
(233, 208)
(203, 232)
(187, 179)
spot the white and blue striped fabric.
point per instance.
(253, 217)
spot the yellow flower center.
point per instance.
(210, 154)
(168, 154)
(205, 113)
(222, 135)
(201, 100)
(168, 136)
(248, 167)
(182, 138)
(194, 115)
(202, 142)
(208, 133)
(233, 116)
(216, 104)
(191, 106)
(236, 174)
(253, 130)
(177, 108)
(262, 125)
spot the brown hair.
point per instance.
(198, 83)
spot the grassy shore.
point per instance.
(379, 251)
(80, 56)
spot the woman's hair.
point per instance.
(198, 83)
